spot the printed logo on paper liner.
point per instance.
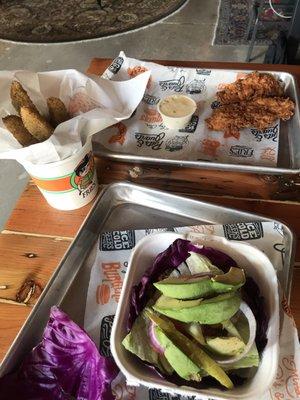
(176, 143)
(269, 153)
(210, 147)
(200, 71)
(268, 133)
(151, 100)
(191, 126)
(197, 86)
(111, 285)
(116, 65)
(120, 136)
(150, 140)
(117, 240)
(105, 331)
(120, 390)
(151, 116)
(241, 151)
(287, 382)
(173, 84)
(81, 180)
(243, 231)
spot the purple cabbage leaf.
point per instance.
(65, 365)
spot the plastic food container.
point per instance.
(256, 265)
(175, 101)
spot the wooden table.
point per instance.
(36, 236)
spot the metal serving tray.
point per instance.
(288, 154)
(120, 206)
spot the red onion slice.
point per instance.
(153, 340)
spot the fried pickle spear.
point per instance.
(57, 111)
(19, 97)
(253, 85)
(14, 124)
(259, 113)
(36, 124)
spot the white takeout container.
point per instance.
(176, 122)
(256, 265)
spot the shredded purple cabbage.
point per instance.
(169, 259)
(64, 365)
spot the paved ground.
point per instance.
(187, 35)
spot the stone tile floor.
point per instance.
(187, 35)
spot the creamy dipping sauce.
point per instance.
(177, 106)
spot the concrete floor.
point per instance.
(187, 35)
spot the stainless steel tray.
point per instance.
(120, 206)
(289, 145)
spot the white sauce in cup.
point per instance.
(176, 110)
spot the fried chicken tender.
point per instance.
(36, 124)
(253, 85)
(19, 97)
(14, 124)
(259, 113)
(57, 111)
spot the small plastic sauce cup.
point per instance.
(176, 110)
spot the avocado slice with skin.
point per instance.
(194, 352)
(168, 302)
(194, 286)
(225, 346)
(195, 331)
(209, 311)
(181, 364)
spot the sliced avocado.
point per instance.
(193, 286)
(198, 263)
(195, 331)
(193, 351)
(185, 287)
(232, 280)
(177, 359)
(225, 346)
(210, 311)
(168, 302)
(250, 360)
(138, 343)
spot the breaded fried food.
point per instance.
(36, 124)
(14, 124)
(57, 111)
(255, 84)
(19, 97)
(259, 113)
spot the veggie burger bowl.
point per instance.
(198, 316)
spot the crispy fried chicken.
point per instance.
(253, 85)
(260, 113)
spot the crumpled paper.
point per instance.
(94, 103)
(145, 134)
(107, 275)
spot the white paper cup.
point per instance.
(177, 122)
(68, 184)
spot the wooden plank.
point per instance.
(98, 66)
(32, 214)
(295, 297)
(24, 257)
(199, 181)
(28, 257)
(11, 321)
